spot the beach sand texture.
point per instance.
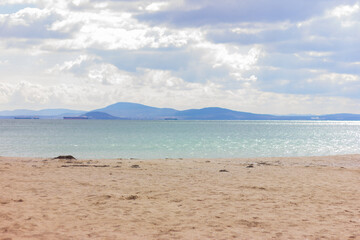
(267, 198)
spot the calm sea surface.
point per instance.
(177, 139)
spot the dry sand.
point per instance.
(276, 198)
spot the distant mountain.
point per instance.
(99, 115)
(329, 117)
(137, 111)
(340, 116)
(215, 113)
(127, 110)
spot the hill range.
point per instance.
(135, 111)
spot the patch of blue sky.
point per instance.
(13, 8)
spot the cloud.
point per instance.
(6, 91)
(118, 31)
(258, 56)
(17, 3)
(202, 62)
(29, 23)
(233, 66)
(36, 96)
(345, 10)
(207, 12)
(156, 6)
(313, 56)
(325, 32)
(75, 66)
(108, 74)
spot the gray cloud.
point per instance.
(235, 11)
(318, 56)
(129, 60)
(184, 63)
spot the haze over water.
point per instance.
(177, 139)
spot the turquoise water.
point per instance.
(177, 139)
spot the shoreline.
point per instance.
(240, 198)
(341, 160)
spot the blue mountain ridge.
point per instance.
(128, 110)
(100, 115)
(215, 113)
(137, 111)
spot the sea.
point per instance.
(96, 139)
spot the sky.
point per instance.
(261, 56)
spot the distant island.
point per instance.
(135, 111)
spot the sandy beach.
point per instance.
(263, 198)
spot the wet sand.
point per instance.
(264, 198)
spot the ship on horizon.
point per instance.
(77, 118)
(26, 117)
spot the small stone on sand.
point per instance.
(64, 157)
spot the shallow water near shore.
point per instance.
(177, 139)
